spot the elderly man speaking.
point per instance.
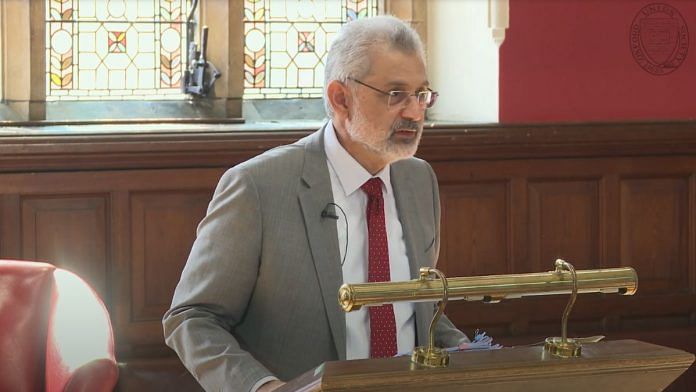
(257, 300)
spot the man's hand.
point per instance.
(270, 386)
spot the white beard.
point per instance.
(389, 147)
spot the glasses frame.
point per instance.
(392, 93)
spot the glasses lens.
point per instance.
(424, 98)
(397, 97)
(432, 97)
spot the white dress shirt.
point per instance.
(347, 176)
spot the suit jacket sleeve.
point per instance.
(215, 288)
(446, 334)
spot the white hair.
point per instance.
(349, 55)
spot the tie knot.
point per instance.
(373, 187)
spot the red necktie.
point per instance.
(382, 322)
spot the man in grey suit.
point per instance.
(257, 300)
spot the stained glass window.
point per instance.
(286, 42)
(115, 49)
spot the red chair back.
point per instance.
(25, 301)
(55, 333)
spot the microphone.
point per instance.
(329, 212)
(326, 213)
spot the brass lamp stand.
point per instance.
(563, 346)
(431, 356)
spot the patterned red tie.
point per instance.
(382, 322)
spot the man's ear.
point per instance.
(339, 97)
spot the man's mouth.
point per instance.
(405, 132)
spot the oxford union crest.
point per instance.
(659, 39)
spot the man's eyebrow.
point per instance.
(396, 84)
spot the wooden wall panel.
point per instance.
(513, 199)
(481, 249)
(70, 231)
(10, 224)
(83, 221)
(163, 228)
(654, 232)
(564, 223)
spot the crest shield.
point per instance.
(660, 38)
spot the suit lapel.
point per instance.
(414, 237)
(314, 194)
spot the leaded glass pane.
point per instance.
(286, 42)
(115, 49)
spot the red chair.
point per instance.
(55, 333)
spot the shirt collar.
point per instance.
(350, 173)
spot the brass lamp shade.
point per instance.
(490, 288)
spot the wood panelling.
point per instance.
(654, 232)
(483, 249)
(226, 145)
(513, 198)
(163, 227)
(564, 223)
(69, 231)
(10, 223)
(85, 221)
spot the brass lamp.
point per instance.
(492, 288)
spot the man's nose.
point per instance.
(413, 110)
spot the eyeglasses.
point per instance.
(425, 98)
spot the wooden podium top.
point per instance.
(618, 365)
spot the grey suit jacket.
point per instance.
(258, 294)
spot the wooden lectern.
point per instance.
(562, 364)
(621, 365)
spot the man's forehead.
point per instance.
(382, 53)
(398, 68)
(402, 78)
(406, 83)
